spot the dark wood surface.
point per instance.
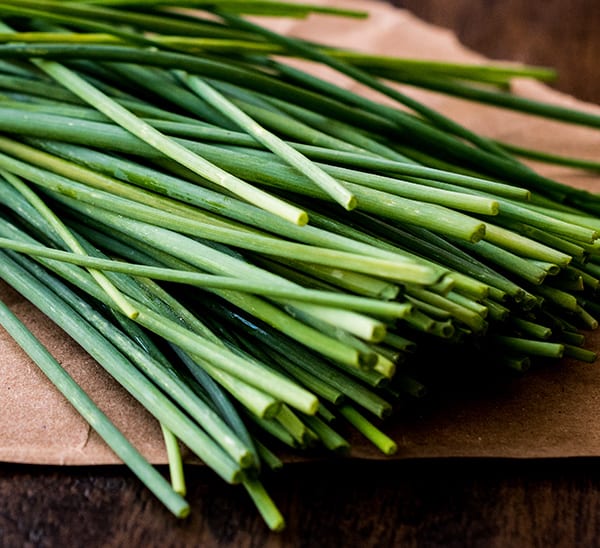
(562, 34)
(446, 503)
(458, 503)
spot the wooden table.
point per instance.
(559, 33)
(457, 503)
(483, 502)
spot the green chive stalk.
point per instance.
(102, 350)
(181, 161)
(175, 462)
(372, 306)
(171, 498)
(333, 187)
(386, 445)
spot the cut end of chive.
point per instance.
(265, 505)
(183, 512)
(312, 407)
(288, 212)
(478, 234)
(522, 365)
(365, 360)
(246, 460)
(236, 477)
(386, 367)
(301, 218)
(390, 448)
(378, 333)
(351, 203)
(389, 293)
(444, 330)
(580, 354)
(385, 411)
(271, 410)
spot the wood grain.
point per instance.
(556, 33)
(461, 502)
(479, 503)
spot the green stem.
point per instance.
(529, 346)
(167, 146)
(384, 443)
(328, 436)
(120, 368)
(90, 412)
(174, 459)
(372, 306)
(287, 153)
(264, 504)
(71, 242)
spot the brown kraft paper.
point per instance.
(546, 413)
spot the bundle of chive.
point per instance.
(254, 253)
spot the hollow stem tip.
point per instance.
(383, 442)
(265, 505)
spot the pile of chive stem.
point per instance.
(258, 255)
